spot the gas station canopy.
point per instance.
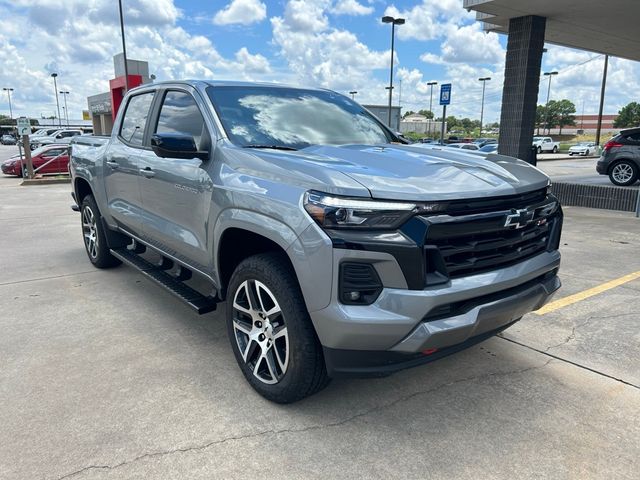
(605, 27)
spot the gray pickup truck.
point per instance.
(338, 250)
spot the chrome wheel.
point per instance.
(622, 172)
(90, 232)
(260, 331)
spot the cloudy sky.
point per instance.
(338, 44)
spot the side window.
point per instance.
(634, 137)
(54, 152)
(135, 118)
(180, 114)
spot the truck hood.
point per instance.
(405, 172)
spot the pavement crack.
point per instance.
(338, 423)
(575, 364)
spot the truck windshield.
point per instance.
(294, 118)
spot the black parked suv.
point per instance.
(621, 158)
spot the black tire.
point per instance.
(98, 251)
(305, 372)
(555, 149)
(627, 166)
(587, 153)
(23, 172)
(539, 150)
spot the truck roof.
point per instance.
(228, 83)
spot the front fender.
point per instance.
(310, 252)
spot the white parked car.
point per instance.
(546, 144)
(584, 148)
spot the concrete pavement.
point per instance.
(104, 375)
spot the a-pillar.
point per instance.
(521, 82)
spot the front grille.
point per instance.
(467, 251)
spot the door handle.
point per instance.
(112, 165)
(147, 172)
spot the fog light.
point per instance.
(359, 283)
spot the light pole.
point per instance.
(66, 110)
(55, 86)
(546, 116)
(484, 83)
(9, 90)
(124, 49)
(431, 84)
(353, 94)
(393, 22)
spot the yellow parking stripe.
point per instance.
(571, 299)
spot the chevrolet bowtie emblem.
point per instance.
(519, 219)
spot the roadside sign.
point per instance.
(445, 94)
(86, 115)
(24, 126)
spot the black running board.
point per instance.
(200, 303)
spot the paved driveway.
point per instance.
(104, 375)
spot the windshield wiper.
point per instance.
(274, 147)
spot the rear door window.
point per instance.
(135, 119)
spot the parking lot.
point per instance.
(104, 375)
(573, 170)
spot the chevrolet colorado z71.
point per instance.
(337, 250)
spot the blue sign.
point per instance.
(445, 94)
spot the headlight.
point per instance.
(341, 212)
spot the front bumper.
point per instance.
(433, 339)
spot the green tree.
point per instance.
(426, 113)
(565, 110)
(541, 112)
(452, 123)
(551, 115)
(407, 113)
(628, 116)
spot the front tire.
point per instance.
(270, 330)
(95, 242)
(623, 173)
(539, 150)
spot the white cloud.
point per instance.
(350, 7)
(252, 63)
(320, 55)
(243, 12)
(427, 20)
(467, 44)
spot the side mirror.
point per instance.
(176, 145)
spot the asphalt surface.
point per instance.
(105, 375)
(562, 168)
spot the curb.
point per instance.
(45, 181)
(607, 197)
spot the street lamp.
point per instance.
(66, 110)
(484, 82)
(9, 90)
(546, 116)
(353, 94)
(431, 84)
(55, 86)
(393, 22)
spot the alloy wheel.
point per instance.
(622, 172)
(90, 232)
(260, 331)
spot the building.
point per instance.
(417, 123)
(103, 107)
(588, 24)
(381, 112)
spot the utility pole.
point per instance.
(66, 110)
(9, 90)
(393, 22)
(484, 82)
(546, 119)
(124, 49)
(55, 86)
(431, 84)
(602, 89)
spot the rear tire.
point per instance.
(93, 236)
(555, 149)
(270, 330)
(623, 173)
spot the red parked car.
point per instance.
(39, 157)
